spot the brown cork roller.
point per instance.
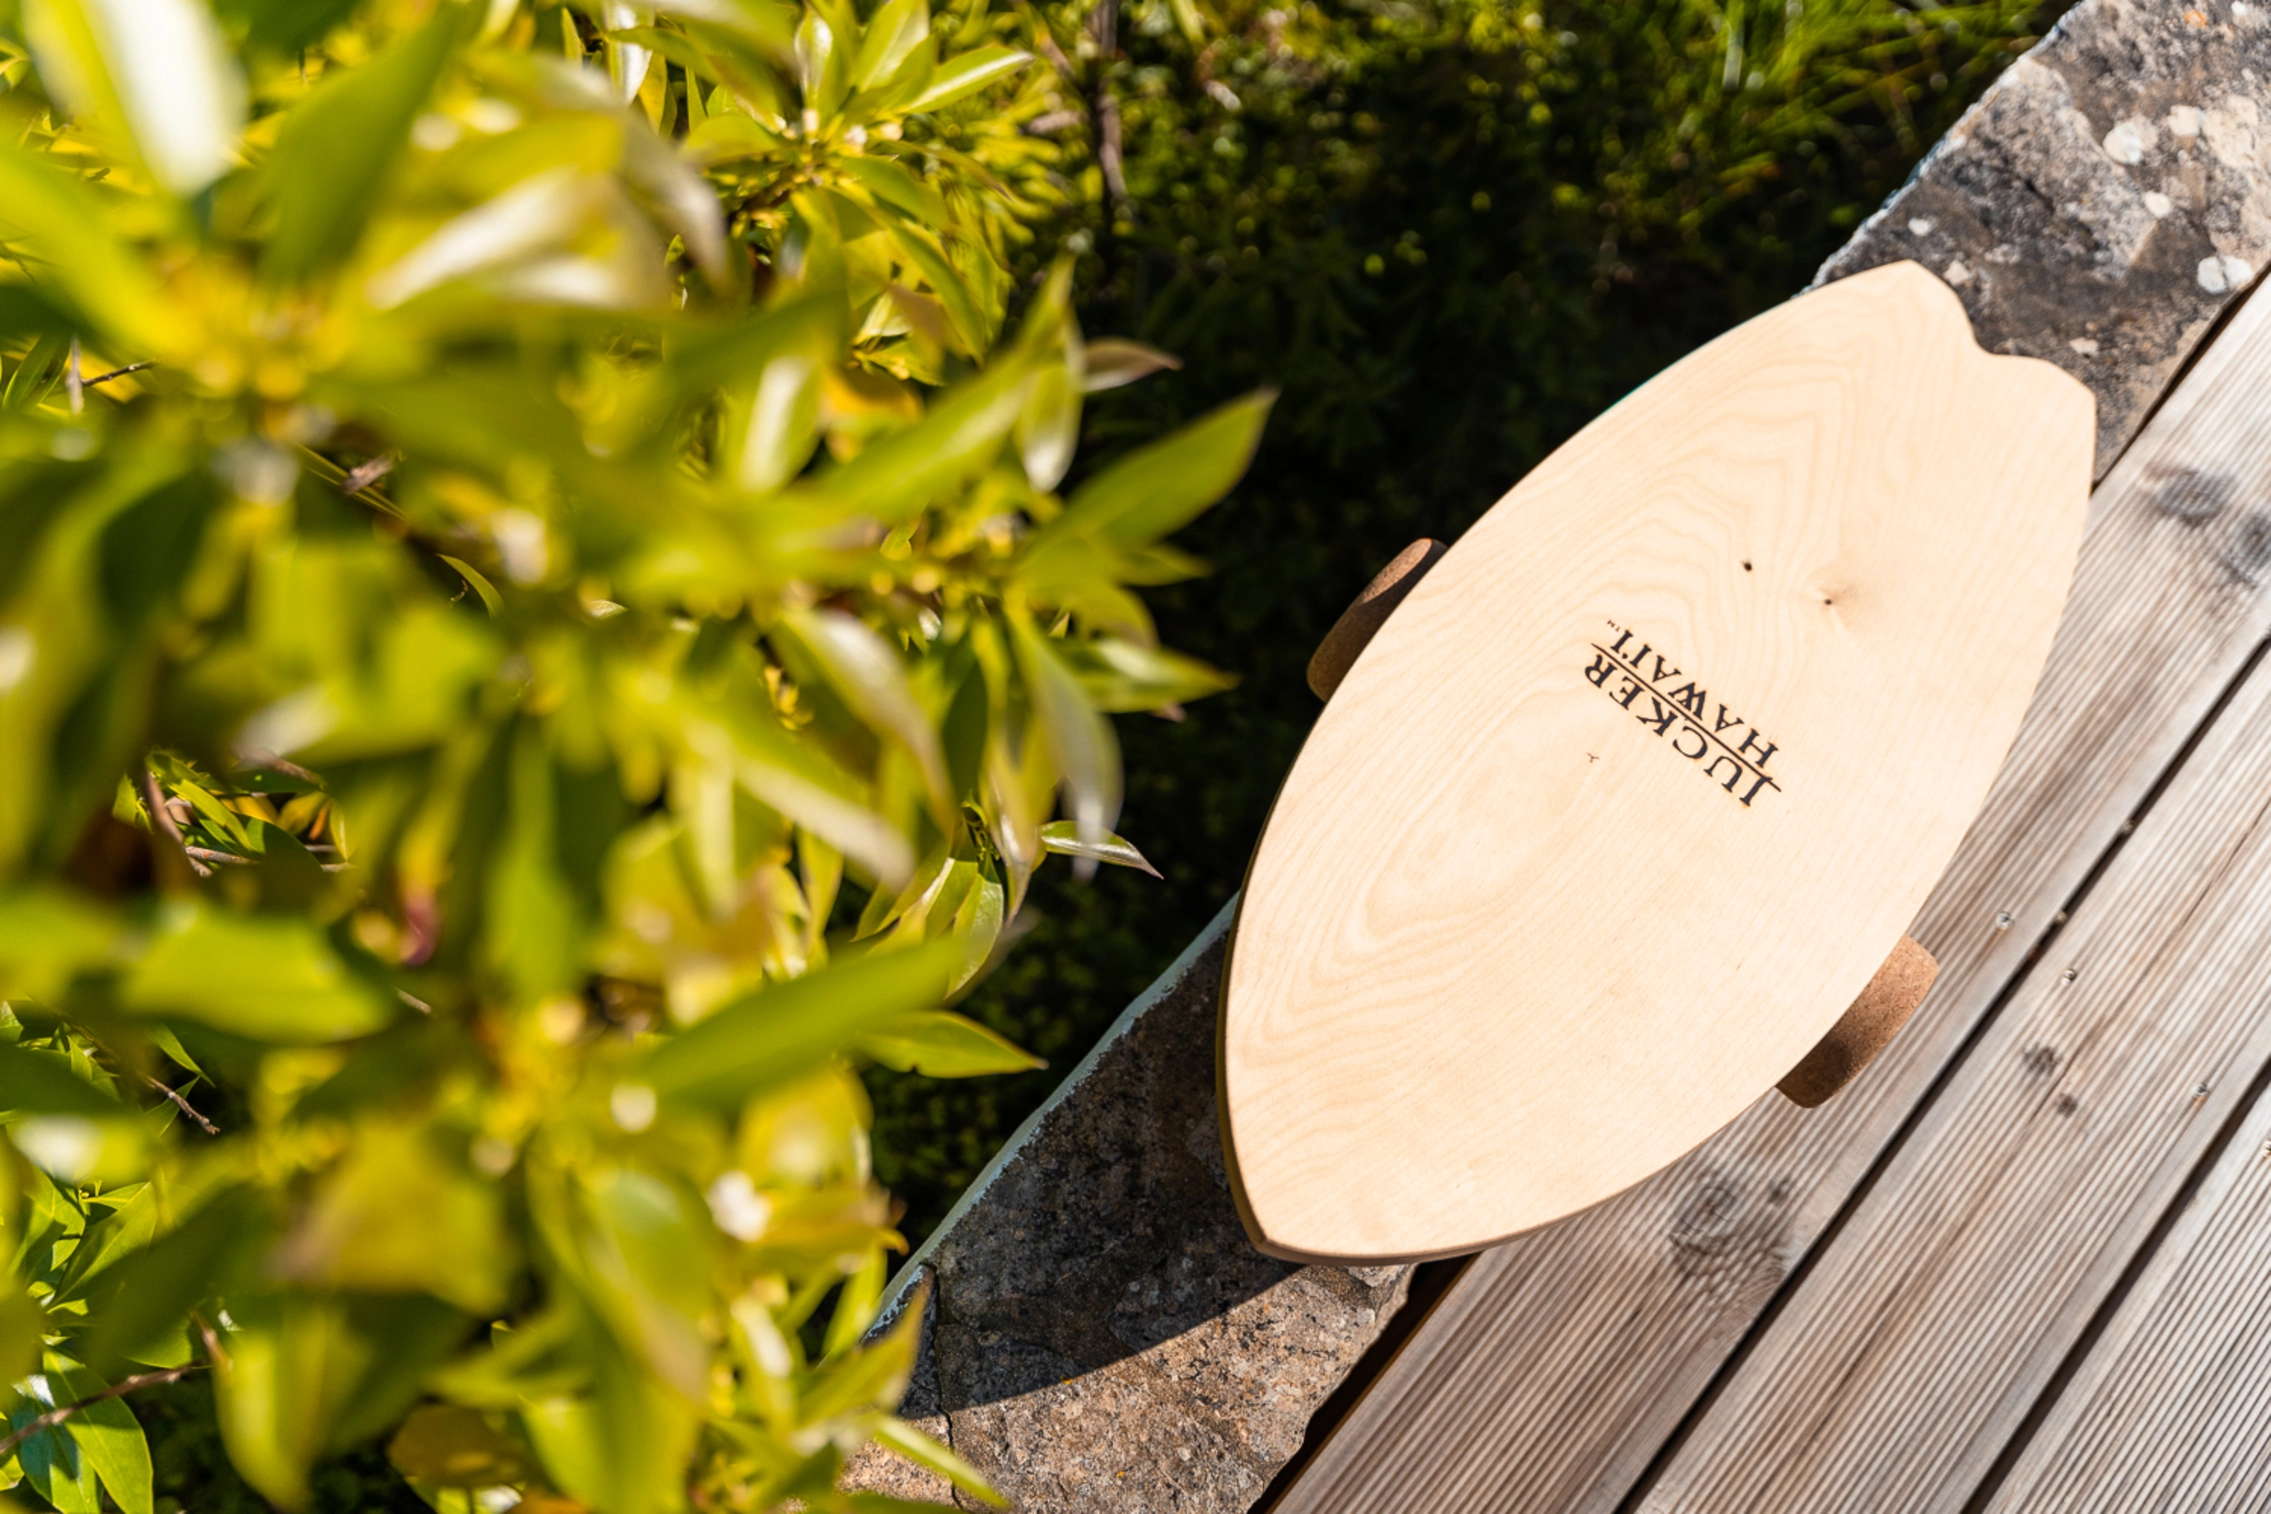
(1336, 654)
(1865, 1028)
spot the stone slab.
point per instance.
(1101, 1334)
(2105, 200)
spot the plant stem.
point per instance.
(54, 1417)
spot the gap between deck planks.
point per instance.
(2168, 1403)
(1557, 1370)
(1914, 1349)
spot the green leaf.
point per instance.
(144, 1299)
(855, 1308)
(481, 586)
(50, 1460)
(1048, 429)
(786, 1029)
(285, 26)
(622, 1448)
(352, 1238)
(47, 938)
(335, 148)
(446, 1446)
(286, 1360)
(724, 137)
(942, 1044)
(532, 915)
(794, 780)
(274, 978)
(921, 248)
(1119, 675)
(922, 1450)
(964, 75)
(892, 35)
(158, 68)
(52, 221)
(1110, 362)
(111, 1441)
(1156, 490)
(1080, 740)
(43, 1082)
(865, 670)
(1059, 836)
(959, 438)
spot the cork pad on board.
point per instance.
(1624, 805)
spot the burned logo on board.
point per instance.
(1670, 702)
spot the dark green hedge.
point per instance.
(1451, 236)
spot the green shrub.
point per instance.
(1451, 232)
(536, 623)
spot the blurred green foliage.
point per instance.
(1451, 232)
(538, 628)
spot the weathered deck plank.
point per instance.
(1912, 1352)
(1555, 1370)
(2167, 1409)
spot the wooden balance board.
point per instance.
(1626, 803)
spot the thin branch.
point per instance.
(366, 473)
(214, 1355)
(276, 764)
(1104, 28)
(208, 854)
(104, 378)
(1047, 43)
(1108, 155)
(74, 385)
(182, 1104)
(54, 1417)
(162, 818)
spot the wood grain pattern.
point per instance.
(2171, 1407)
(1628, 801)
(1914, 1349)
(1554, 1371)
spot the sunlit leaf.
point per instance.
(50, 220)
(352, 1237)
(942, 1044)
(146, 1296)
(47, 937)
(783, 1031)
(1080, 740)
(444, 1446)
(1062, 837)
(1111, 362)
(893, 33)
(868, 674)
(336, 147)
(964, 75)
(921, 1449)
(273, 977)
(158, 66)
(1155, 490)
(43, 1082)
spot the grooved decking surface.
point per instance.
(2024, 1262)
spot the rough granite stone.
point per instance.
(2105, 200)
(1102, 1335)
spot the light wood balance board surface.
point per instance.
(1627, 801)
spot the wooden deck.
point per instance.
(2024, 1263)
